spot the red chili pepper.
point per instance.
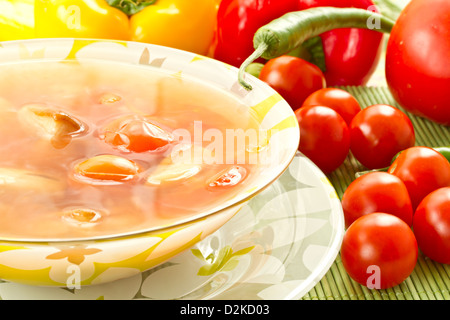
(350, 55)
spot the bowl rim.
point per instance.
(179, 223)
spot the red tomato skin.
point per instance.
(378, 133)
(377, 192)
(417, 59)
(293, 78)
(381, 240)
(337, 99)
(422, 170)
(432, 225)
(324, 136)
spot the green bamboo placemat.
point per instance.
(430, 280)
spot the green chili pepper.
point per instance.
(444, 150)
(284, 34)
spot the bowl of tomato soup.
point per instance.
(116, 156)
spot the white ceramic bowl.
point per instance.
(62, 262)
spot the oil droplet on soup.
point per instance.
(109, 98)
(82, 216)
(103, 140)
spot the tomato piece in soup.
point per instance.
(135, 134)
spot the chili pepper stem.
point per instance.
(262, 47)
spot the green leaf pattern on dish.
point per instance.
(222, 261)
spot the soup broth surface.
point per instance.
(96, 149)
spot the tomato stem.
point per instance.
(284, 34)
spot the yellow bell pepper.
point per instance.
(80, 19)
(182, 24)
(185, 24)
(16, 19)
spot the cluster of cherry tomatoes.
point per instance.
(390, 213)
(331, 120)
(332, 124)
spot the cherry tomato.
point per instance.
(417, 65)
(293, 78)
(378, 133)
(337, 99)
(379, 250)
(422, 170)
(432, 225)
(324, 136)
(377, 192)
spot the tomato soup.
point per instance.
(96, 149)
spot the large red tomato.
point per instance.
(417, 59)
